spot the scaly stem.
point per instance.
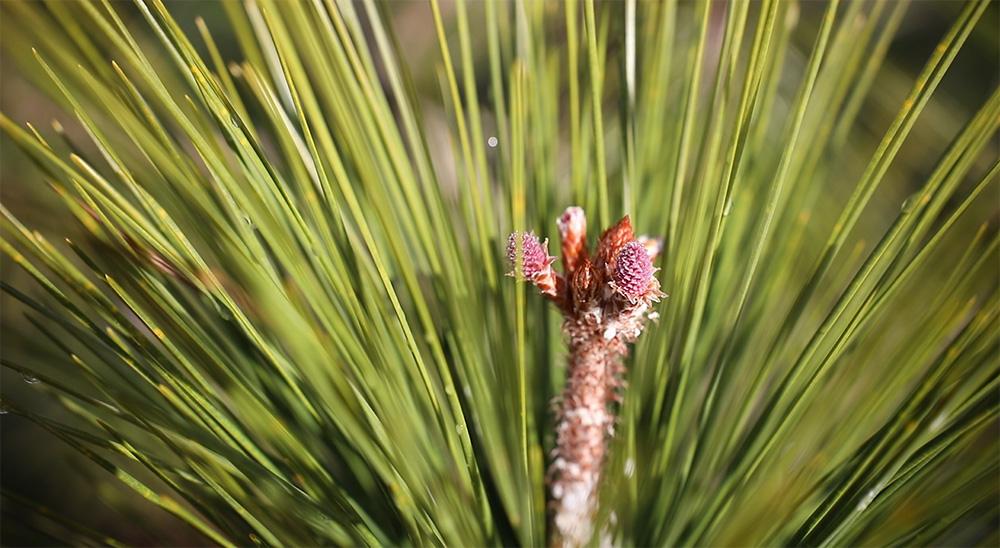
(585, 423)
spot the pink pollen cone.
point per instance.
(534, 258)
(633, 270)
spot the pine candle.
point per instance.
(606, 300)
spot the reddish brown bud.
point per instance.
(584, 284)
(573, 233)
(612, 240)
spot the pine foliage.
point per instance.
(280, 310)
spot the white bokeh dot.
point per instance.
(492, 142)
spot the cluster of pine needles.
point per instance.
(274, 302)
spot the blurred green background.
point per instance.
(35, 465)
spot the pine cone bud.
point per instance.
(633, 271)
(534, 258)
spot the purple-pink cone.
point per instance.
(534, 257)
(633, 270)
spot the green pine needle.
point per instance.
(277, 307)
